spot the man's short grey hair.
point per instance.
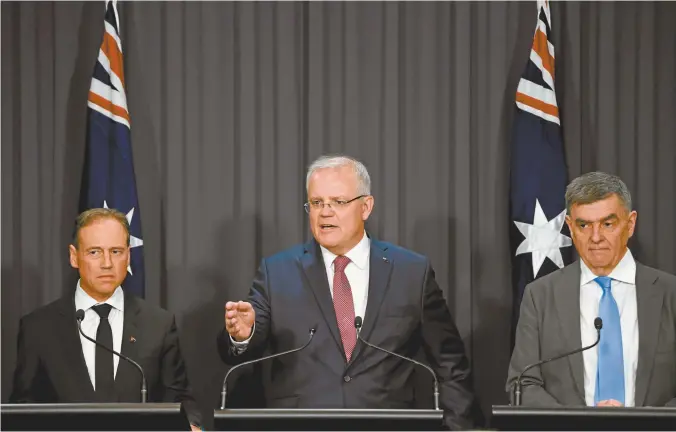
(595, 186)
(337, 161)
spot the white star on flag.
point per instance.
(133, 241)
(543, 238)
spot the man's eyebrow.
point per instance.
(331, 198)
(610, 216)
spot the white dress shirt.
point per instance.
(357, 272)
(91, 323)
(623, 289)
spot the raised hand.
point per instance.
(239, 320)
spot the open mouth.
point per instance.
(327, 227)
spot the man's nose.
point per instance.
(327, 210)
(596, 236)
(107, 260)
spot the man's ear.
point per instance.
(367, 207)
(632, 222)
(72, 251)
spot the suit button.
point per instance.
(346, 378)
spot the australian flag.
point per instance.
(108, 178)
(539, 238)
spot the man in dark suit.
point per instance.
(55, 364)
(635, 362)
(339, 275)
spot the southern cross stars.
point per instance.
(543, 238)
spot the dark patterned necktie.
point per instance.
(344, 305)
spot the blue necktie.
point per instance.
(610, 369)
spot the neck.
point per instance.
(100, 298)
(601, 271)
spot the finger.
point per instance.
(230, 305)
(244, 306)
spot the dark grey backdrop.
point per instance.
(230, 101)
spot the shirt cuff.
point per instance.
(240, 347)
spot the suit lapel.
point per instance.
(567, 295)
(127, 377)
(649, 298)
(380, 268)
(72, 348)
(313, 267)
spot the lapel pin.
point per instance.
(385, 259)
(132, 339)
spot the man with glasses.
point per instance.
(344, 273)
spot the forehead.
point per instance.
(333, 181)
(103, 232)
(598, 210)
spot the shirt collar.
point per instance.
(84, 301)
(358, 255)
(624, 271)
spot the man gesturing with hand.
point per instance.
(239, 320)
(341, 274)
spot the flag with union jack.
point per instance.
(108, 177)
(538, 176)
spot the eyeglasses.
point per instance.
(333, 204)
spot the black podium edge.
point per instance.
(325, 413)
(84, 408)
(627, 412)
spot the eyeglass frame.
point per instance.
(338, 204)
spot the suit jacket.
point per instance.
(405, 312)
(549, 325)
(51, 367)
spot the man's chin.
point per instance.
(330, 242)
(328, 238)
(107, 287)
(327, 243)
